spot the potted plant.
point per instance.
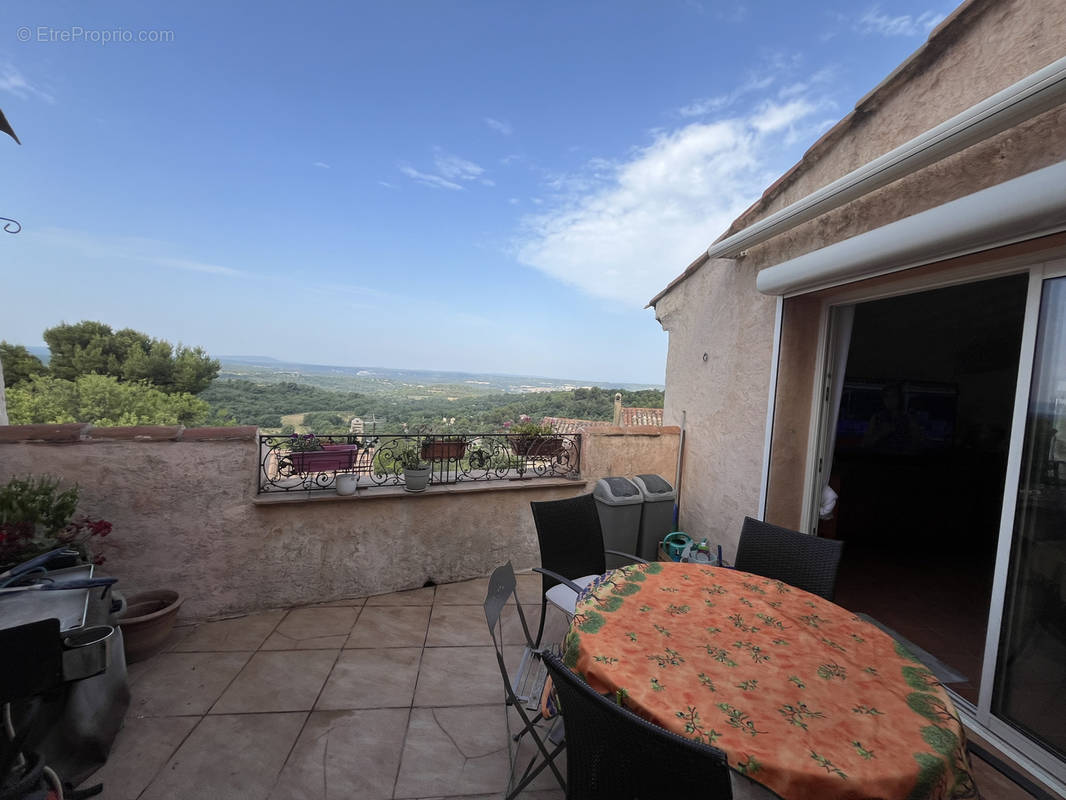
(36, 517)
(415, 470)
(530, 440)
(443, 448)
(308, 453)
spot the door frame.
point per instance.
(1040, 267)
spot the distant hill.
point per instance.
(374, 380)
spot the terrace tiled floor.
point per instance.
(395, 696)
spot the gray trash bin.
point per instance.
(618, 502)
(657, 518)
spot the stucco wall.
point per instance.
(989, 45)
(184, 517)
(718, 312)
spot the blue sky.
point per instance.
(495, 186)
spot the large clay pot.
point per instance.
(147, 622)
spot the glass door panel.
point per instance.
(1030, 684)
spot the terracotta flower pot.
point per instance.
(147, 622)
(444, 450)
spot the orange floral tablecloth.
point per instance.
(803, 696)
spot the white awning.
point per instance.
(1022, 208)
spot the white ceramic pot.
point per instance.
(347, 484)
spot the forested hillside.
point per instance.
(326, 411)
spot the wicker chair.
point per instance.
(571, 551)
(803, 561)
(614, 754)
(501, 591)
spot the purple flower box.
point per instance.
(331, 458)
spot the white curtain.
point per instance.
(841, 322)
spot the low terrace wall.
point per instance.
(186, 516)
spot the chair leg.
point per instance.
(540, 628)
(529, 776)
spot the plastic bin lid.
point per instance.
(654, 488)
(617, 491)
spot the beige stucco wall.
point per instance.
(717, 311)
(184, 517)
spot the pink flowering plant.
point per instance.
(36, 517)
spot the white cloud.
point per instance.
(433, 181)
(386, 184)
(874, 21)
(772, 117)
(622, 230)
(499, 126)
(130, 248)
(321, 164)
(450, 170)
(456, 168)
(14, 82)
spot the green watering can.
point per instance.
(675, 543)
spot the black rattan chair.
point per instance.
(614, 754)
(800, 560)
(501, 591)
(571, 551)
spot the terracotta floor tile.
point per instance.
(459, 676)
(317, 628)
(390, 626)
(453, 751)
(458, 626)
(228, 757)
(464, 593)
(277, 681)
(413, 597)
(183, 683)
(141, 749)
(345, 754)
(362, 678)
(239, 633)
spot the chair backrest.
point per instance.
(502, 589)
(798, 559)
(571, 540)
(611, 752)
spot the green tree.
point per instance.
(19, 363)
(89, 347)
(103, 400)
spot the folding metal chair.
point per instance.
(502, 587)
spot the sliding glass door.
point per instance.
(1029, 691)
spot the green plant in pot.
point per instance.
(531, 440)
(415, 470)
(37, 517)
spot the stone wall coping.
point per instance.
(631, 430)
(372, 493)
(84, 433)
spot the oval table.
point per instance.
(804, 697)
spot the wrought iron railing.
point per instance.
(377, 459)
